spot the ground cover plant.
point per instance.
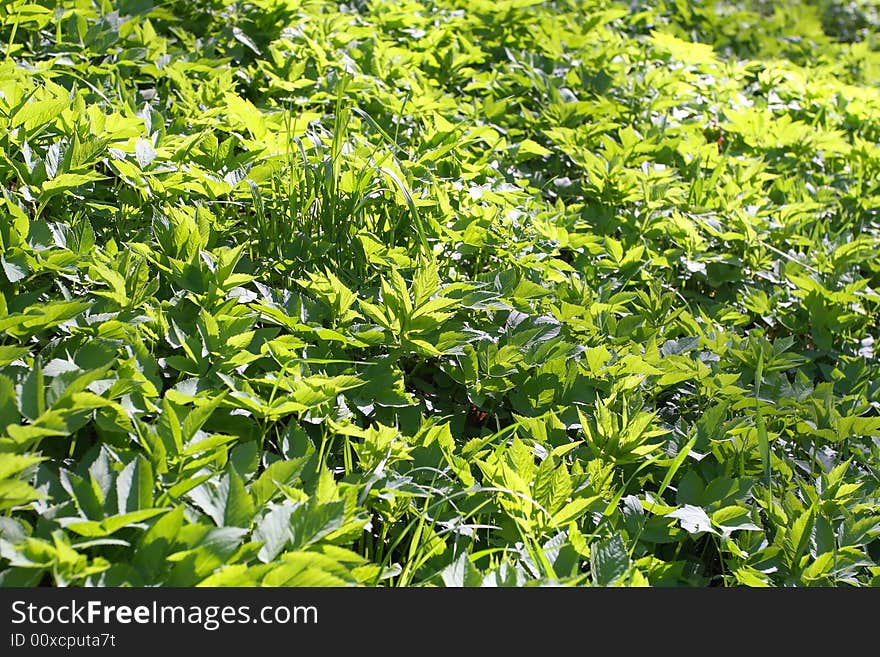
(439, 293)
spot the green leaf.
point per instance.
(576, 508)
(112, 524)
(15, 266)
(225, 500)
(461, 573)
(39, 112)
(528, 149)
(239, 505)
(609, 560)
(157, 543)
(66, 181)
(8, 404)
(693, 519)
(144, 153)
(197, 417)
(676, 464)
(214, 550)
(797, 538)
(16, 493)
(33, 393)
(309, 523)
(274, 531)
(552, 485)
(134, 486)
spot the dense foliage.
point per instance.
(440, 292)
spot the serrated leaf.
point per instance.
(134, 486)
(274, 531)
(461, 573)
(609, 560)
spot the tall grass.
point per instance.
(326, 191)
